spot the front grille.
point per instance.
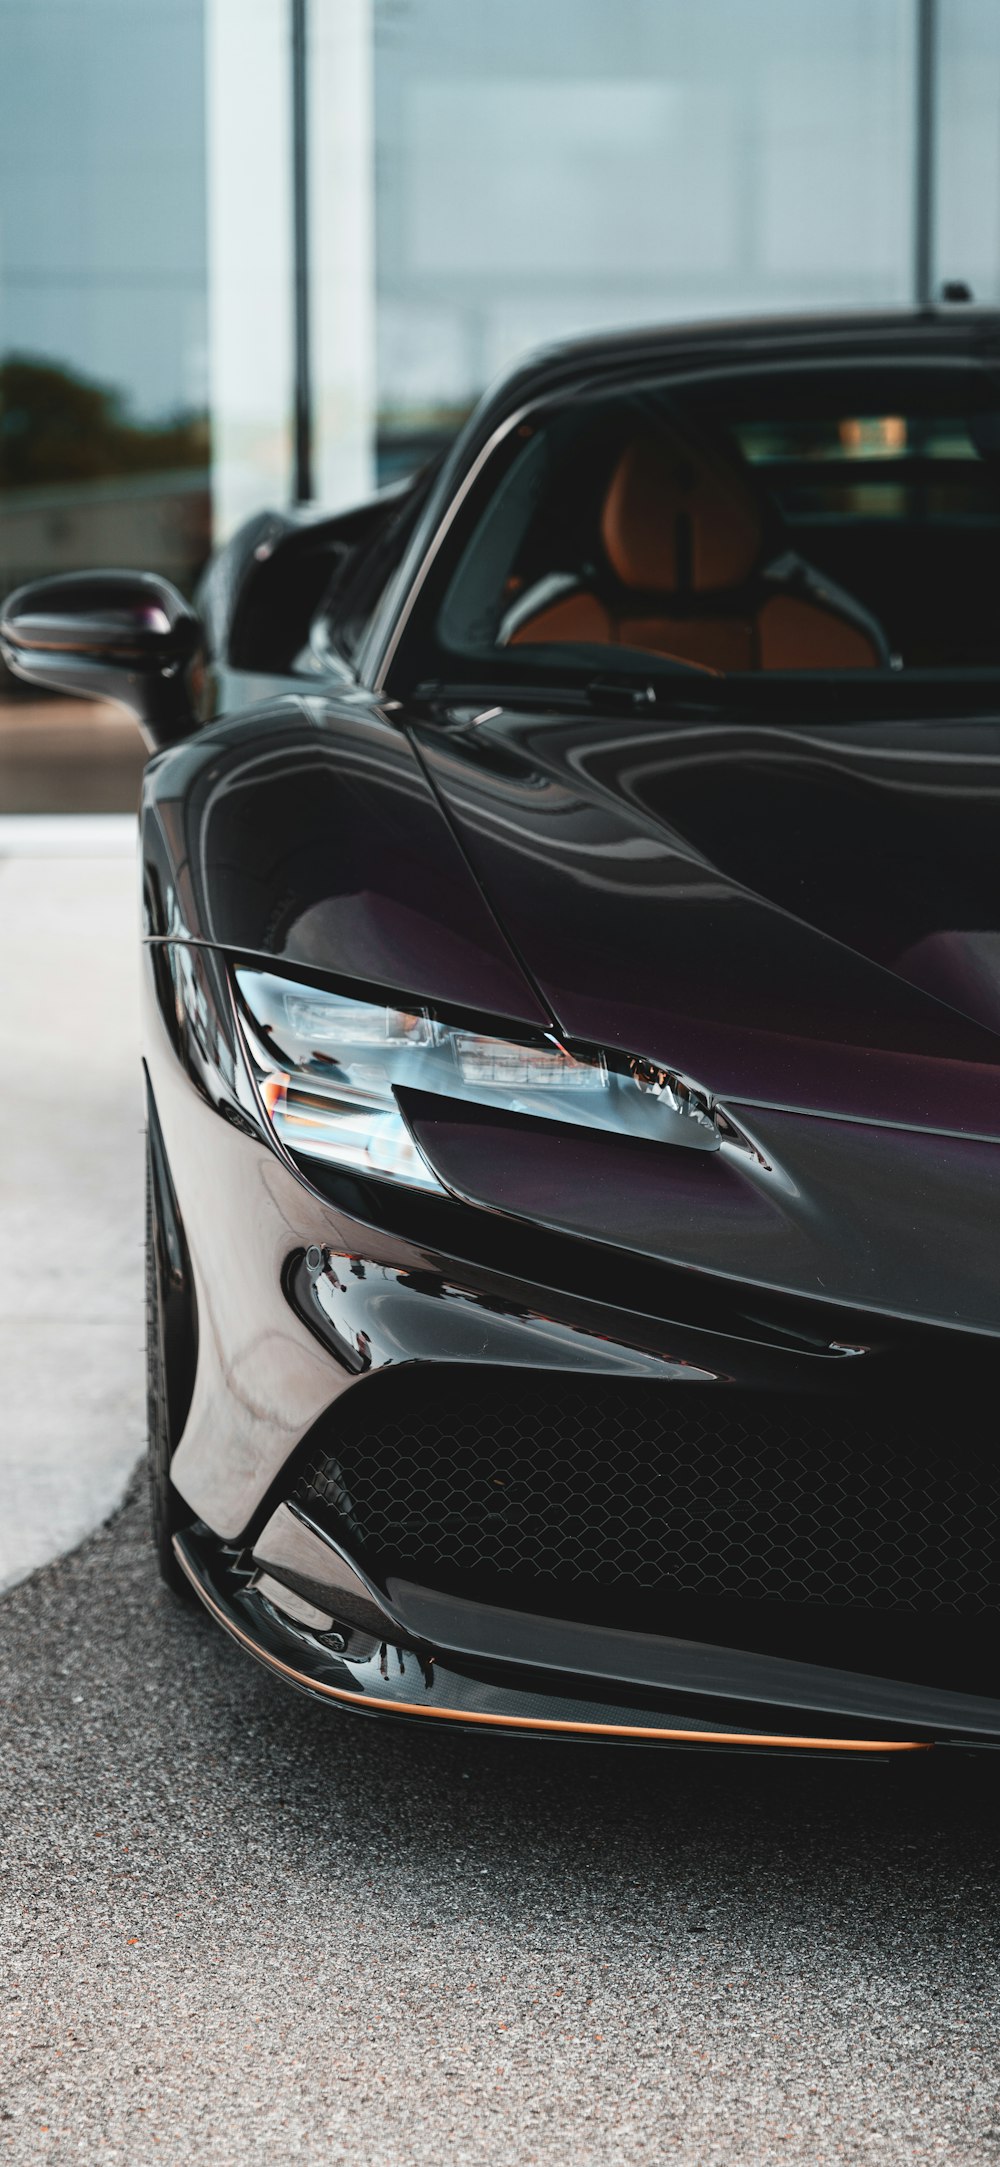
(653, 1490)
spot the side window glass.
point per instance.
(357, 590)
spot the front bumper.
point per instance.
(516, 1690)
(305, 1300)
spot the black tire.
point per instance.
(167, 1511)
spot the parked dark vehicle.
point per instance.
(572, 940)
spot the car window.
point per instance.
(359, 584)
(831, 521)
(886, 466)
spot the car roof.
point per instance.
(949, 331)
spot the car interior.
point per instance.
(795, 520)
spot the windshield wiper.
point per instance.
(622, 692)
(677, 691)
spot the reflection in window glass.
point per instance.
(104, 445)
(104, 432)
(543, 171)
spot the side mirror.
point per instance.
(125, 636)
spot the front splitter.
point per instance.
(414, 1684)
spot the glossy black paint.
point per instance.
(175, 1283)
(543, 1680)
(454, 1286)
(638, 938)
(303, 1297)
(709, 894)
(126, 636)
(322, 834)
(312, 835)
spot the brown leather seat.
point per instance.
(685, 545)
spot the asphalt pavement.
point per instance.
(237, 1926)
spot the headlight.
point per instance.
(327, 1068)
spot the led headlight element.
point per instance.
(327, 1068)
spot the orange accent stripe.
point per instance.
(543, 1723)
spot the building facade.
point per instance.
(258, 249)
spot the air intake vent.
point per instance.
(652, 1490)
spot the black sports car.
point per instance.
(572, 943)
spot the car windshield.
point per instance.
(821, 520)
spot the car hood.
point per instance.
(751, 909)
(803, 918)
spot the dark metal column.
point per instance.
(924, 146)
(302, 482)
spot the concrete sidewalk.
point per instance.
(71, 1175)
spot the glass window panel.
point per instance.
(544, 171)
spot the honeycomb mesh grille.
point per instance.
(656, 1490)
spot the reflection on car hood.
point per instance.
(806, 918)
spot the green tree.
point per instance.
(56, 426)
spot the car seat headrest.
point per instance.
(679, 519)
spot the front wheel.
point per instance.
(168, 1512)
